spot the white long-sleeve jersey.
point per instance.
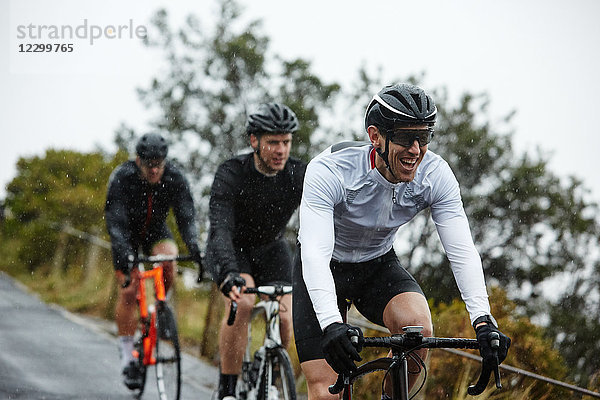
(351, 213)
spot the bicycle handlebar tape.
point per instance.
(484, 378)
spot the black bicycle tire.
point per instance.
(169, 320)
(278, 356)
(143, 370)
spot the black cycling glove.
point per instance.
(127, 263)
(232, 279)
(485, 348)
(340, 353)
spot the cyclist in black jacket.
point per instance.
(140, 195)
(252, 199)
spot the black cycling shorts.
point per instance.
(155, 235)
(369, 285)
(268, 263)
(146, 244)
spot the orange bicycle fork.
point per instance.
(148, 317)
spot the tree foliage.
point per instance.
(50, 190)
(213, 78)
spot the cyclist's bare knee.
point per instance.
(319, 376)
(285, 313)
(245, 304)
(408, 309)
(167, 247)
(285, 310)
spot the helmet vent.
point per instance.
(417, 100)
(399, 96)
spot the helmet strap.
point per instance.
(257, 149)
(384, 155)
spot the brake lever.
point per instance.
(497, 376)
(495, 344)
(127, 281)
(339, 384)
(232, 313)
(486, 370)
(200, 272)
(131, 261)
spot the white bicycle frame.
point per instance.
(270, 309)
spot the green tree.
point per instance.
(60, 186)
(213, 78)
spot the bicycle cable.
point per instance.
(421, 368)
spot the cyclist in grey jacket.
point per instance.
(355, 198)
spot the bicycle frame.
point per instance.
(270, 309)
(256, 369)
(147, 315)
(158, 344)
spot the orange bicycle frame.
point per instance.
(149, 318)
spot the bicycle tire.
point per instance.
(139, 348)
(278, 380)
(168, 355)
(380, 364)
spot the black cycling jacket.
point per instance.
(249, 209)
(136, 210)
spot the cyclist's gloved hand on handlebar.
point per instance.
(340, 352)
(232, 279)
(483, 332)
(125, 262)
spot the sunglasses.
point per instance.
(406, 137)
(153, 163)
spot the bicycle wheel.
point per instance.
(168, 355)
(278, 377)
(139, 361)
(380, 364)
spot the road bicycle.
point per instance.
(396, 367)
(158, 341)
(268, 374)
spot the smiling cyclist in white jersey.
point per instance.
(355, 198)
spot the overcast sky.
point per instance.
(539, 58)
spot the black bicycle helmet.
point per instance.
(152, 146)
(272, 118)
(400, 104)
